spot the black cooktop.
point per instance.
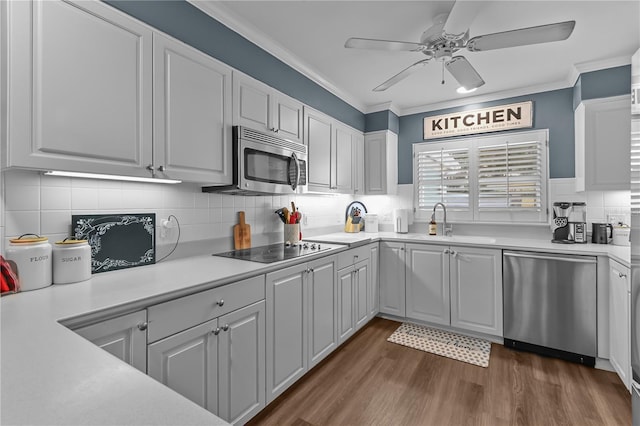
(273, 252)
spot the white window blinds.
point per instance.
(635, 165)
(510, 176)
(495, 178)
(443, 176)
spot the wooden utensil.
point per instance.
(241, 233)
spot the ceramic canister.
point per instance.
(31, 257)
(71, 261)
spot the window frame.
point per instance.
(474, 214)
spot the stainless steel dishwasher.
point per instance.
(550, 304)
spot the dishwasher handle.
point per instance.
(574, 259)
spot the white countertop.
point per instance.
(618, 253)
(50, 375)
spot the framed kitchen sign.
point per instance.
(117, 241)
(493, 119)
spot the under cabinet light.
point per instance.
(110, 177)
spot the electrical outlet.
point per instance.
(615, 218)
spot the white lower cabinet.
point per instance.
(346, 289)
(301, 315)
(124, 337)
(354, 291)
(374, 289)
(219, 365)
(457, 286)
(392, 279)
(620, 321)
(210, 347)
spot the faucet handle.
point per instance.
(448, 230)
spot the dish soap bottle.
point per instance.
(432, 226)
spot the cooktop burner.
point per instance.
(274, 252)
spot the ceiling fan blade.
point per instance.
(460, 18)
(370, 43)
(464, 73)
(401, 75)
(522, 37)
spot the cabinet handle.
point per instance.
(225, 327)
(216, 331)
(621, 275)
(355, 258)
(447, 251)
(453, 253)
(143, 326)
(311, 270)
(220, 302)
(161, 168)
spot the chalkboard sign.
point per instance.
(117, 241)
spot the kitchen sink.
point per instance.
(475, 239)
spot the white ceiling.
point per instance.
(310, 36)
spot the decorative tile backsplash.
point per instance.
(32, 202)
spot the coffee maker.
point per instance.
(569, 222)
(560, 225)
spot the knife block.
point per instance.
(352, 227)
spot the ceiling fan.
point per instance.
(450, 33)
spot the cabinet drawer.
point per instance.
(176, 315)
(353, 256)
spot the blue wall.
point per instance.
(602, 84)
(382, 120)
(194, 27)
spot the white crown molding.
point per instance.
(222, 14)
(602, 64)
(569, 81)
(522, 91)
(382, 107)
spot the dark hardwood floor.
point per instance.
(369, 381)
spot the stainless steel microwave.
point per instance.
(264, 163)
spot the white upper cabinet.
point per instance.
(381, 162)
(318, 136)
(335, 162)
(93, 90)
(79, 88)
(192, 114)
(602, 129)
(261, 107)
(344, 149)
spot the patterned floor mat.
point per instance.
(455, 346)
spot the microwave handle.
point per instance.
(294, 174)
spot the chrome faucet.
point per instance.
(446, 230)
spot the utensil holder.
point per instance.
(292, 233)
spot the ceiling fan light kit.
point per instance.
(450, 33)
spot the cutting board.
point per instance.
(241, 233)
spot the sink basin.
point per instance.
(454, 239)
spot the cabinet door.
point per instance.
(428, 283)
(374, 291)
(252, 102)
(376, 162)
(318, 137)
(362, 276)
(287, 113)
(286, 328)
(124, 337)
(392, 279)
(604, 143)
(343, 157)
(187, 362)
(476, 289)
(620, 322)
(358, 162)
(346, 316)
(80, 88)
(192, 114)
(323, 309)
(241, 364)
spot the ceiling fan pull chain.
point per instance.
(442, 72)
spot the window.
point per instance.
(484, 179)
